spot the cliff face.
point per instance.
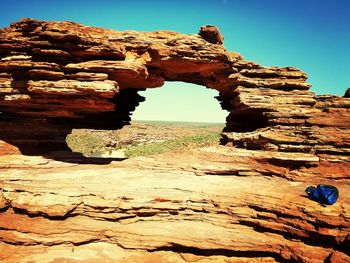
(55, 76)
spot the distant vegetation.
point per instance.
(187, 124)
(145, 138)
(88, 141)
(193, 141)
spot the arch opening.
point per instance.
(178, 101)
(173, 113)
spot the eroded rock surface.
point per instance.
(207, 205)
(243, 202)
(78, 76)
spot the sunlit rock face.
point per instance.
(55, 76)
(242, 202)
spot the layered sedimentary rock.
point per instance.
(217, 204)
(77, 76)
(347, 93)
(243, 202)
(81, 76)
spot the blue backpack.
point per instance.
(324, 194)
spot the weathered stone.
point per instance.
(274, 83)
(6, 84)
(273, 72)
(51, 52)
(106, 66)
(16, 58)
(88, 76)
(211, 34)
(17, 97)
(11, 65)
(217, 204)
(105, 89)
(347, 93)
(240, 214)
(339, 257)
(117, 52)
(45, 74)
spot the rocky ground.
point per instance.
(211, 204)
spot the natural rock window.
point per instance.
(217, 203)
(180, 101)
(192, 111)
(58, 76)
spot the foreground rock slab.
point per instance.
(156, 209)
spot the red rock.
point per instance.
(221, 204)
(88, 76)
(347, 93)
(104, 89)
(8, 149)
(45, 74)
(211, 34)
(51, 52)
(339, 257)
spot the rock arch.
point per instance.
(55, 76)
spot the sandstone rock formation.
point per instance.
(217, 204)
(211, 34)
(243, 202)
(347, 93)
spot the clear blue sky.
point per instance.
(313, 35)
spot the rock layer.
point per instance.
(80, 76)
(214, 204)
(221, 204)
(63, 72)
